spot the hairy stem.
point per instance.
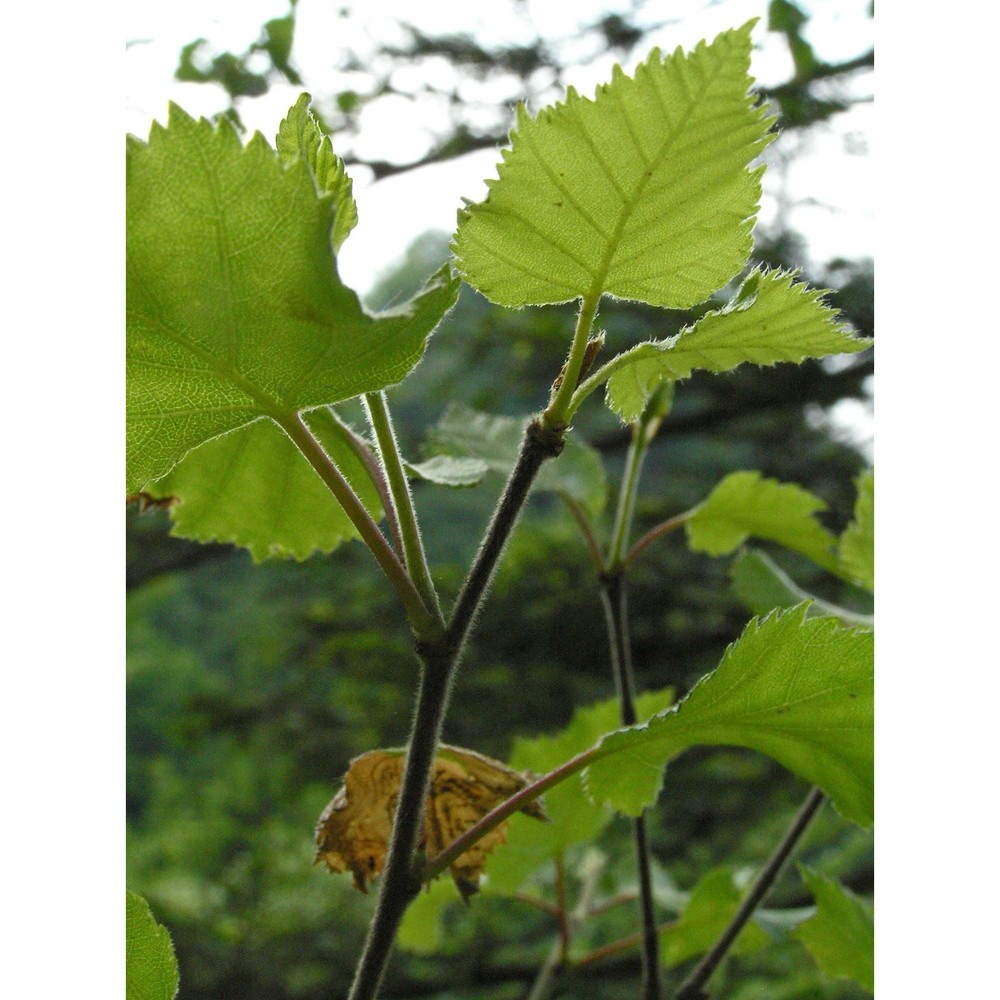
(693, 987)
(402, 501)
(401, 879)
(422, 620)
(538, 444)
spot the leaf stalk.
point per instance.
(423, 621)
(405, 515)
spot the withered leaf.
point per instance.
(354, 829)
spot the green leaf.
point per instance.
(278, 34)
(465, 433)
(841, 935)
(421, 930)
(800, 690)
(771, 318)
(764, 586)
(714, 901)
(786, 18)
(573, 817)
(857, 543)
(745, 504)
(447, 471)
(234, 307)
(150, 966)
(643, 193)
(252, 487)
(299, 136)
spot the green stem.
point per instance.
(692, 987)
(402, 500)
(626, 499)
(360, 448)
(556, 414)
(423, 621)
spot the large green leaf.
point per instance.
(253, 488)
(643, 192)
(798, 689)
(745, 504)
(841, 935)
(465, 433)
(235, 310)
(713, 903)
(771, 318)
(857, 543)
(150, 965)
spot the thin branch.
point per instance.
(671, 524)
(613, 597)
(580, 516)
(614, 600)
(692, 987)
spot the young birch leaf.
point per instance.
(857, 543)
(150, 965)
(841, 935)
(495, 441)
(746, 504)
(800, 690)
(764, 586)
(643, 193)
(445, 470)
(299, 136)
(770, 319)
(253, 488)
(234, 307)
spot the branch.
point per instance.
(691, 988)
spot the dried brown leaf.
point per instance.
(354, 829)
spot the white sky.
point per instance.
(396, 210)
